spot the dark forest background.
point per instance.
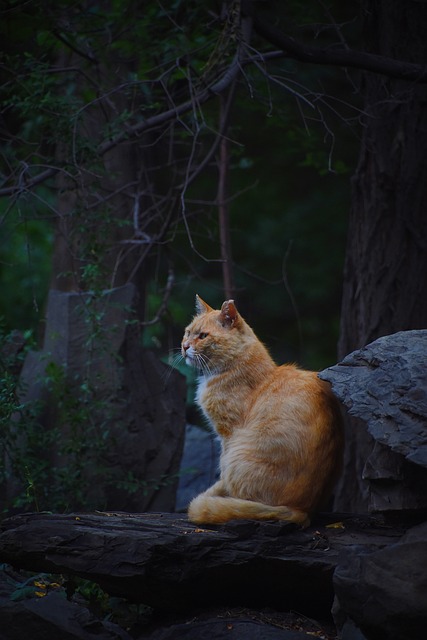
(266, 151)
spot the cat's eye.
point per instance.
(202, 336)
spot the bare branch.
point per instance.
(164, 303)
(29, 184)
(73, 48)
(291, 295)
(335, 56)
(175, 112)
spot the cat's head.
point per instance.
(215, 337)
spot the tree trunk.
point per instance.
(104, 236)
(385, 288)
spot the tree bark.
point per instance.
(385, 289)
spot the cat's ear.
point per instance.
(229, 316)
(201, 306)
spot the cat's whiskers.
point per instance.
(203, 364)
(174, 360)
(199, 361)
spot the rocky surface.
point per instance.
(199, 464)
(244, 624)
(167, 563)
(385, 591)
(382, 594)
(51, 617)
(384, 387)
(179, 569)
(385, 384)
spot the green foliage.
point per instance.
(25, 264)
(27, 585)
(57, 467)
(51, 465)
(34, 586)
(10, 404)
(106, 607)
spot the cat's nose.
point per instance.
(185, 346)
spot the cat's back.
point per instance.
(293, 395)
(289, 380)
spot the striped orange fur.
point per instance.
(280, 426)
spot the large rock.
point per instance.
(385, 386)
(199, 464)
(385, 592)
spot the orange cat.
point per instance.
(280, 427)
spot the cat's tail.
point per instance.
(206, 509)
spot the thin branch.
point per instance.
(335, 56)
(210, 154)
(223, 208)
(277, 80)
(29, 184)
(183, 205)
(73, 48)
(291, 295)
(165, 300)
